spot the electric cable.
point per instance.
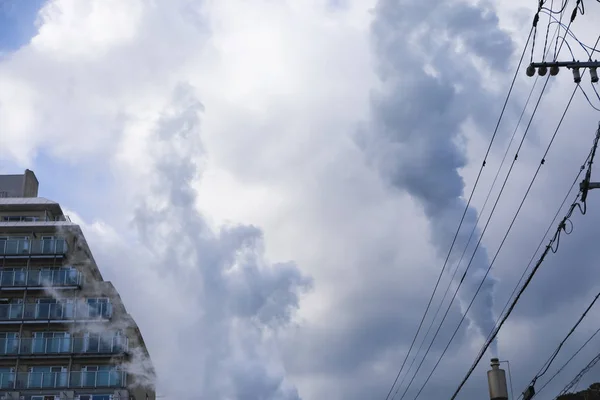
(544, 236)
(580, 375)
(554, 354)
(556, 238)
(542, 162)
(477, 246)
(479, 214)
(500, 322)
(464, 214)
(587, 98)
(567, 362)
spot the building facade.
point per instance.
(64, 332)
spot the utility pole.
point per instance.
(554, 67)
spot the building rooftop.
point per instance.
(20, 185)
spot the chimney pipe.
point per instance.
(497, 381)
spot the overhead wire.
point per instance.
(463, 215)
(580, 375)
(567, 362)
(542, 162)
(554, 354)
(501, 321)
(479, 215)
(471, 235)
(476, 247)
(544, 236)
(587, 98)
(555, 239)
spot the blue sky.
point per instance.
(17, 22)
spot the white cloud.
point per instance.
(284, 86)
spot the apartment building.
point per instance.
(64, 332)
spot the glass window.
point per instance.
(9, 343)
(47, 377)
(99, 307)
(101, 376)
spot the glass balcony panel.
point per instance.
(54, 311)
(7, 380)
(36, 247)
(9, 346)
(44, 380)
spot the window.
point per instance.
(57, 276)
(99, 307)
(14, 245)
(19, 218)
(94, 397)
(107, 342)
(46, 308)
(7, 377)
(101, 376)
(9, 343)
(45, 397)
(51, 342)
(47, 377)
(12, 277)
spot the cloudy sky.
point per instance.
(273, 186)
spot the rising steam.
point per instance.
(429, 92)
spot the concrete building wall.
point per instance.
(22, 329)
(23, 185)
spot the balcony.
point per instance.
(27, 218)
(36, 247)
(40, 278)
(84, 346)
(63, 380)
(54, 312)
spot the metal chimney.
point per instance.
(497, 382)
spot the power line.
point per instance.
(462, 217)
(549, 247)
(554, 354)
(581, 169)
(551, 223)
(580, 375)
(542, 162)
(549, 227)
(479, 215)
(474, 252)
(567, 362)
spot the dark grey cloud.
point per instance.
(414, 141)
(417, 117)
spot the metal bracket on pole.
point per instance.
(586, 186)
(542, 68)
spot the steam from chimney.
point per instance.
(419, 115)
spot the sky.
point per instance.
(273, 186)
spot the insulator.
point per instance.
(594, 74)
(530, 71)
(543, 70)
(576, 75)
(554, 70)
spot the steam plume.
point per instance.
(429, 92)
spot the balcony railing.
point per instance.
(92, 345)
(40, 277)
(17, 247)
(62, 380)
(54, 311)
(28, 218)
